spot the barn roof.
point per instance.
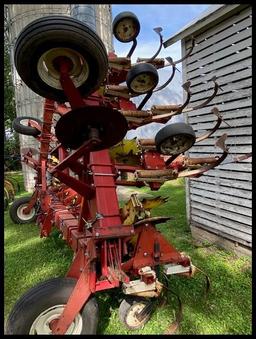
(210, 17)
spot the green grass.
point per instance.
(30, 259)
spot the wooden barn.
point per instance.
(219, 203)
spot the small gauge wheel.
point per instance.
(17, 214)
(142, 78)
(175, 139)
(126, 26)
(24, 129)
(129, 308)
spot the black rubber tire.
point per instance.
(59, 31)
(14, 209)
(6, 201)
(172, 130)
(120, 17)
(55, 291)
(125, 307)
(26, 130)
(140, 69)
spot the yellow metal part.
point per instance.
(54, 160)
(132, 211)
(148, 204)
(135, 210)
(126, 151)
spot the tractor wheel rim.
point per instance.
(21, 215)
(131, 319)
(177, 144)
(41, 324)
(51, 76)
(143, 83)
(126, 29)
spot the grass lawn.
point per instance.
(30, 259)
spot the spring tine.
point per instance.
(242, 157)
(143, 102)
(145, 312)
(186, 87)
(198, 172)
(217, 113)
(221, 143)
(208, 281)
(188, 54)
(168, 81)
(171, 63)
(216, 87)
(158, 30)
(219, 121)
(134, 44)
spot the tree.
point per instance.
(11, 138)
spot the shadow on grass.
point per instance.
(227, 309)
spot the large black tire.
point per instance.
(129, 23)
(175, 138)
(42, 297)
(16, 214)
(26, 130)
(54, 36)
(142, 78)
(6, 199)
(127, 307)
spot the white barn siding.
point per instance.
(220, 201)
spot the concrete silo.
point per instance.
(28, 103)
(98, 17)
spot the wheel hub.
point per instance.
(43, 323)
(176, 144)
(126, 29)
(49, 71)
(131, 318)
(25, 216)
(143, 83)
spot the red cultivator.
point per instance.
(82, 159)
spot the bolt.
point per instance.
(132, 231)
(97, 234)
(145, 254)
(146, 225)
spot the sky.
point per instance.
(171, 18)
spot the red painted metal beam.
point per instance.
(80, 187)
